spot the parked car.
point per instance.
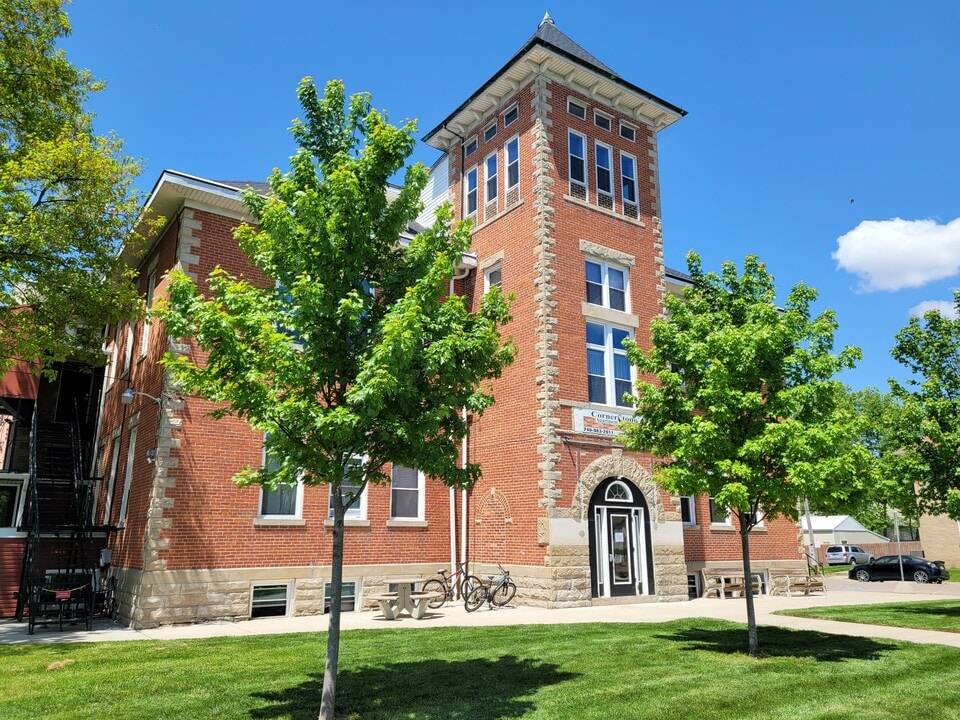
(844, 554)
(888, 568)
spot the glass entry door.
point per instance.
(619, 551)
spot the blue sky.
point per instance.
(821, 136)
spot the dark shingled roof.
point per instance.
(261, 187)
(548, 35)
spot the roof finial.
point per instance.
(546, 20)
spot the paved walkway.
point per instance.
(840, 591)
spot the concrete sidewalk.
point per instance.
(840, 592)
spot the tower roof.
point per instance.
(551, 50)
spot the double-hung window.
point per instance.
(285, 501)
(608, 370)
(512, 159)
(151, 287)
(628, 184)
(128, 469)
(603, 156)
(492, 277)
(606, 285)
(351, 488)
(577, 146)
(470, 197)
(719, 514)
(406, 493)
(490, 187)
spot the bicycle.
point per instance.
(458, 583)
(499, 594)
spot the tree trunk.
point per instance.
(753, 641)
(329, 697)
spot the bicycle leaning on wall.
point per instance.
(497, 593)
(459, 584)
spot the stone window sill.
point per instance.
(279, 522)
(348, 522)
(406, 523)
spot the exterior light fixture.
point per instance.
(127, 397)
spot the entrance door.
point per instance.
(619, 541)
(621, 558)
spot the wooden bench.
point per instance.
(795, 580)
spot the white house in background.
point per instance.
(839, 530)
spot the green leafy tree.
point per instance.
(353, 355)
(928, 452)
(66, 200)
(880, 419)
(742, 404)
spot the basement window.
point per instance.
(348, 597)
(269, 600)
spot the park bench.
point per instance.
(791, 581)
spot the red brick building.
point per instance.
(555, 160)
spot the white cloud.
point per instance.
(945, 308)
(895, 254)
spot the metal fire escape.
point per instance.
(57, 578)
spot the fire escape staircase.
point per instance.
(57, 580)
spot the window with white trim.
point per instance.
(490, 186)
(492, 277)
(406, 493)
(470, 148)
(617, 491)
(350, 488)
(128, 470)
(577, 147)
(719, 514)
(470, 196)
(512, 159)
(269, 600)
(628, 132)
(576, 109)
(112, 479)
(603, 156)
(688, 513)
(606, 285)
(128, 349)
(609, 375)
(148, 301)
(510, 115)
(491, 132)
(10, 503)
(602, 120)
(284, 501)
(628, 185)
(348, 596)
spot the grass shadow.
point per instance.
(782, 642)
(950, 611)
(476, 689)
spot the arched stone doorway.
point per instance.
(621, 549)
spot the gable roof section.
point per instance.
(550, 49)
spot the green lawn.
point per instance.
(674, 671)
(927, 615)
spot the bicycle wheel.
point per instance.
(467, 585)
(475, 598)
(435, 586)
(504, 593)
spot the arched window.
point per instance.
(618, 492)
